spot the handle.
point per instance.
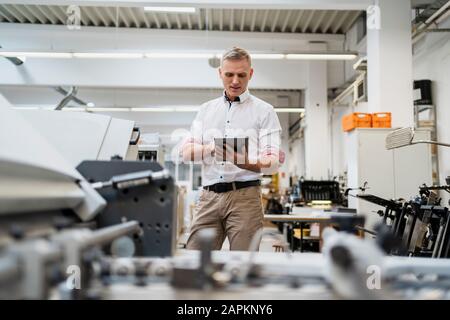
(382, 114)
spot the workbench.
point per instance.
(309, 215)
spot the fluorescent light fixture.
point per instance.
(59, 55)
(67, 108)
(108, 109)
(321, 56)
(179, 55)
(148, 109)
(73, 109)
(167, 109)
(187, 109)
(153, 109)
(267, 56)
(26, 108)
(162, 55)
(289, 110)
(107, 55)
(36, 54)
(68, 55)
(52, 107)
(171, 9)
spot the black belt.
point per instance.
(228, 186)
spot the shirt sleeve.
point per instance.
(196, 131)
(270, 135)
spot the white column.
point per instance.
(317, 137)
(389, 54)
(283, 172)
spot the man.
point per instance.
(231, 198)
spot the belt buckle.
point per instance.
(219, 188)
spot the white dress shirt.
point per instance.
(248, 117)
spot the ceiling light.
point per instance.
(107, 55)
(321, 56)
(167, 109)
(11, 54)
(187, 109)
(167, 55)
(73, 109)
(267, 56)
(153, 109)
(171, 9)
(178, 55)
(289, 110)
(26, 108)
(108, 109)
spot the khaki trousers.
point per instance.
(236, 214)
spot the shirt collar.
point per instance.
(240, 99)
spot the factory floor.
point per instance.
(267, 241)
(266, 245)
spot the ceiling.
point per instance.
(249, 20)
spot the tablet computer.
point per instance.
(236, 144)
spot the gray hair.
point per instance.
(236, 53)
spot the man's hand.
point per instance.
(208, 151)
(193, 151)
(267, 163)
(239, 159)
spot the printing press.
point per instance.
(85, 220)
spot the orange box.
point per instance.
(356, 120)
(381, 120)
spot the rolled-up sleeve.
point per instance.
(270, 135)
(194, 136)
(196, 131)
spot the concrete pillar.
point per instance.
(317, 136)
(389, 55)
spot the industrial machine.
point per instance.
(323, 194)
(67, 195)
(419, 226)
(105, 229)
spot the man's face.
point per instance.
(235, 75)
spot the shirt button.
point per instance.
(221, 177)
(228, 121)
